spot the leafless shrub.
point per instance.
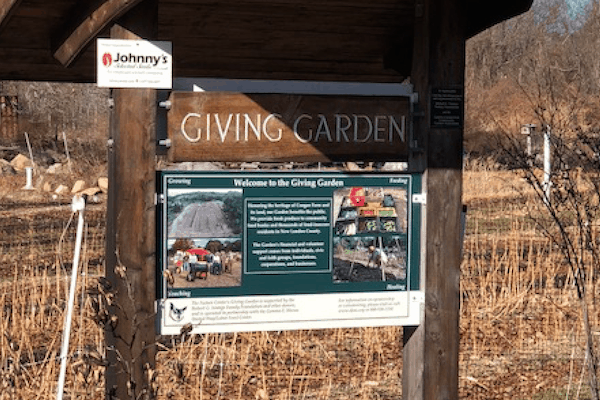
(53, 114)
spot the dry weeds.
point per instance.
(520, 326)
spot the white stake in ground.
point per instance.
(78, 205)
(29, 177)
(547, 165)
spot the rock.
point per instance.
(395, 166)
(97, 198)
(94, 195)
(103, 184)
(47, 187)
(206, 166)
(78, 186)
(56, 156)
(352, 166)
(90, 191)
(250, 165)
(54, 168)
(6, 168)
(60, 189)
(20, 162)
(195, 166)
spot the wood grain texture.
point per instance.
(221, 126)
(131, 237)
(88, 28)
(7, 8)
(339, 40)
(430, 355)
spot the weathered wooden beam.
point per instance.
(482, 15)
(89, 27)
(7, 8)
(131, 238)
(430, 355)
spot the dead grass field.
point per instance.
(520, 325)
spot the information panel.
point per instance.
(447, 106)
(241, 251)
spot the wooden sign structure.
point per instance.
(387, 41)
(217, 126)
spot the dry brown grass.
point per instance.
(323, 364)
(492, 186)
(520, 325)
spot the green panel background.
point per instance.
(294, 283)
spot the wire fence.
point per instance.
(520, 324)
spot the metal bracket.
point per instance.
(419, 198)
(165, 143)
(414, 97)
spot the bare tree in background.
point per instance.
(54, 112)
(547, 72)
(569, 213)
(569, 218)
(505, 64)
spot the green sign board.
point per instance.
(242, 251)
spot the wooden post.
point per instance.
(131, 241)
(9, 127)
(430, 355)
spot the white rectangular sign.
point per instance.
(134, 64)
(309, 311)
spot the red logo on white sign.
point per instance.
(107, 59)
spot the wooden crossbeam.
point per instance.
(7, 8)
(482, 15)
(89, 27)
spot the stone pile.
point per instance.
(19, 163)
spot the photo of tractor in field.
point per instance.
(207, 263)
(199, 267)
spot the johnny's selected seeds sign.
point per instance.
(134, 64)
